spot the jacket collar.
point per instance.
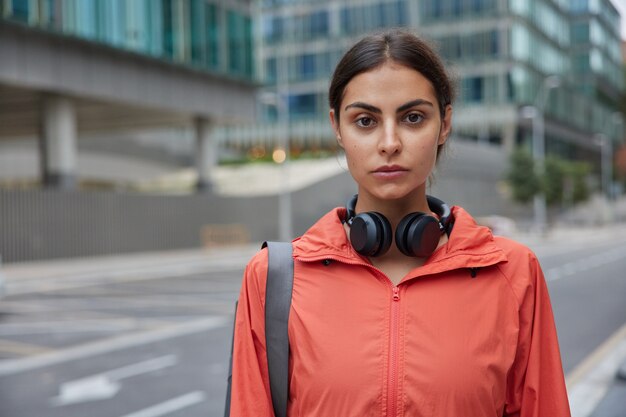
(469, 245)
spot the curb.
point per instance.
(589, 382)
(25, 278)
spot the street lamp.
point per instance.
(618, 120)
(539, 145)
(606, 172)
(606, 162)
(280, 99)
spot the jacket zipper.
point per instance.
(392, 377)
(392, 372)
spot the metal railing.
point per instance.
(39, 224)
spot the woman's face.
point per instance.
(390, 127)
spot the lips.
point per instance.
(389, 172)
(390, 168)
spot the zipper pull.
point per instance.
(396, 294)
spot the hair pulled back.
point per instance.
(399, 46)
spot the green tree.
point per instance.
(563, 182)
(553, 180)
(522, 177)
(578, 172)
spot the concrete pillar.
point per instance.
(509, 132)
(334, 18)
(58, 138)
(206, 154)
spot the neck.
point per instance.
(394, 210)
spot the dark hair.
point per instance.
(394, 45)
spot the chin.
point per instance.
(396, 193)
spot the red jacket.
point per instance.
(442, 343)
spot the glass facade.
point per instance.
(526, 45)
(547, 17)
(300, 27)
(214, 36)
(501, 52)
(457, 9)
(365, 18)
(475, 47)
(597, 60)
(302, 38)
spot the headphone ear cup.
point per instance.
(370, 234)
(401, 233)
(417, 235)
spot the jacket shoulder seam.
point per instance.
(510, 286)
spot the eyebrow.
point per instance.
(374, 109)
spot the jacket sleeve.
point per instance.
(536, 385)
(250, 393)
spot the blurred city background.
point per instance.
(147, 147)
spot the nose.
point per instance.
(390, 142)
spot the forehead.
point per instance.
(390, 83)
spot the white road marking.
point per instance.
(69, 326)
(15, 366)
(139, 368)
(22, 349)
(130, 274)
(585, 264)
(97, 387)
(107, 384)
(170, 406)
(569, 245)
(588, 383)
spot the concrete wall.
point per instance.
(47, 62)
(53, 224)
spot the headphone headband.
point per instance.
(439, 207)
(417, 234)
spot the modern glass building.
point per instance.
(71, 68)
(209, 35)
(503, 53)
(597, 60)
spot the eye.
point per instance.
(414, 118)
(365, 121)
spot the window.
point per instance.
(319, 23)
(20, 10)
(493, 37)
(302, 104)
(275, 29)
(270, 70)
(237, 45)
(580, 32)
(307, 66)
(212, 33)
(473, 89)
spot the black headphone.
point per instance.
(417, 233)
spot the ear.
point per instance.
(335, 125)
(446, 125)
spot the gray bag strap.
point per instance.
(230, 366)
(277, 305)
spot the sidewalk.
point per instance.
(27, 277)
(593, 388)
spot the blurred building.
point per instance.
(74, 67)
(102, 72)
(559, 55)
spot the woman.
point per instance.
(389, 318)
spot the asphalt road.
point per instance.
(142, 348)
(587, 284)
(159, 346)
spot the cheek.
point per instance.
(352, 150)
(352, 157)
(355, 158)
